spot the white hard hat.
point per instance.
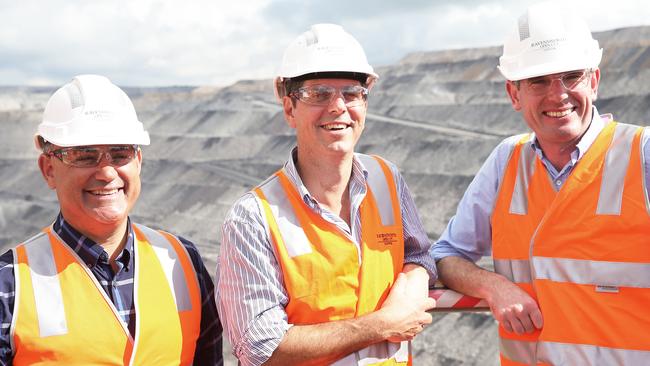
(549, 38)
(324, 48)
(90, 110)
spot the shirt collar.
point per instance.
(89, 251)
(359, 174)
(597, 124)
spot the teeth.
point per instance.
(335, 126)
(104, 192)
(559, 114)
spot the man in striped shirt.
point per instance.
(326, 261)
(94, 287)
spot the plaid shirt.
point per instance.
(118, 286)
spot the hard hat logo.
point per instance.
(548, 44)
(99, 115)
(90, 110)
(548, 39)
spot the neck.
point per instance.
(558, 155)
(327, 179)
(111, 238)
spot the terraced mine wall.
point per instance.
(437, 115)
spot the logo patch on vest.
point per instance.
(387, 238)
(605, 288)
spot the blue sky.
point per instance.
(215, 42)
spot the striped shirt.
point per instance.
(118, 286)
(250, 291)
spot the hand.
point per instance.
(514, 309)
(404, 315)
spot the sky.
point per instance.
(216, 42)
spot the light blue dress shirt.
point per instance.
(469, 232)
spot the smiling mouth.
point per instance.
(104, 192)
(559, 114)
(335, 126)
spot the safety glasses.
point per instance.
(353, 95)
(573, 80)
(90, 156)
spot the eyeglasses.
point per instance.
(353, 95)
(90, 156)
(573, 80)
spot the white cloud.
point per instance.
(208, 42)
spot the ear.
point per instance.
(289, 109)
(513, 93)
(47, 170)
(595, 81)
(138, 159)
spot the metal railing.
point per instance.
(449, 300)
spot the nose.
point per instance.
(337, 104)
(557, 90)
(105, 170)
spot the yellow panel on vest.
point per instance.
(88, 316)
(157, 322)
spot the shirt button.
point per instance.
(558, 182)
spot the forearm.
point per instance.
(402, 315)
(308, 344)
(512, 307)
(466, 277)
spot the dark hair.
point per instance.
(44, 144)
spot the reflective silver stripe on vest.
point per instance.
(294, 237)
(589, 355)
(614, 170)
(379, 187)
(518, 351)
(48, 297)
(588, 272)
(525, 169)
(171, 266)
(643, 164)
(295, 240)
(516, 270)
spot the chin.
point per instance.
(109, 216)
(342, 148)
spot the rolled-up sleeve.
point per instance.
(250, 292)
(469, 232)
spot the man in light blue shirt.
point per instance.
(551, 66)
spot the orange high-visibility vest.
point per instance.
(325, 276)
(62, 315)
(583, 253)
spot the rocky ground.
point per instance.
(437, 115)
